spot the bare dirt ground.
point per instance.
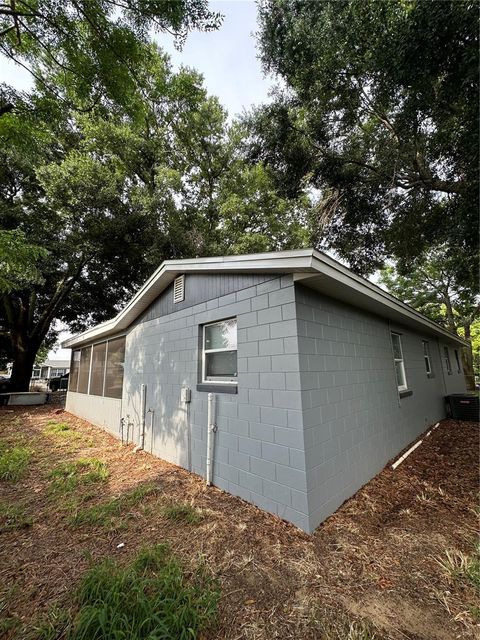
(391, 563)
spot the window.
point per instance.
(56, 372)
(84, 370)
(74, 366)
(426, 356)
(179, 289)
(448, 364)
(36, 372)
(98, 369)
(399, 363)
(105, 373)
(219, 357)
(114, 369)
(457, 358)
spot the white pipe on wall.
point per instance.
(143, 396)
(211, 428)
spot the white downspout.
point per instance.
(143, 397)
(211, 429)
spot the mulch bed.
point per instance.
(377, 558)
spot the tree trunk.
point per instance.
(467, 357)
(24, 353)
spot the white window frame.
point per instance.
(37, 370)
(401, 387)
(448, 362)
(457, 358)
(205, 351)
(426, 357)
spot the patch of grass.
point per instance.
(182, 512)
(7, 624)
(104, 514)
(13, 462)
(150, 598)
(58, 428)
(64, 431)
(13, 517)
(68, 476)
(462, 566)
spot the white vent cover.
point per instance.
(179, 289)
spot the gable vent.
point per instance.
(179, 289)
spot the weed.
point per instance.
(461, 566)
(57, 427)
(51, 625)
(182, 512)
(7, 624)
(150, 598)
(13, 462)
(13, 517)
(68, 476)
(103, 515)
(66, 432)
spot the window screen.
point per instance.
(98, 369)
(114, 371)
(73, 377)
(84, 371)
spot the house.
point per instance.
(50, 369)
(317, 376)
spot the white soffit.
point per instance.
(314, 269)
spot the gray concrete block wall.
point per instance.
(354, 420)
(259, 447)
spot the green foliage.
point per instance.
(106, 514)
(182, 513)
(379, 113)
(13, 461)
(113, 192)
(94, 46)
(18, 261)
(433, 288)
(69, 476)
(152, 597)
(13, 517)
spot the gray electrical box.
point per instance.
(186, 394)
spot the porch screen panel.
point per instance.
(114, 372)
(98, 369)
(84, 370)
(73, 377)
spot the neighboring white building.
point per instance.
(50, 369)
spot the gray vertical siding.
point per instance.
(259, 449)
(201, 288)
(354, 420)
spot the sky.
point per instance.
(227, 58)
